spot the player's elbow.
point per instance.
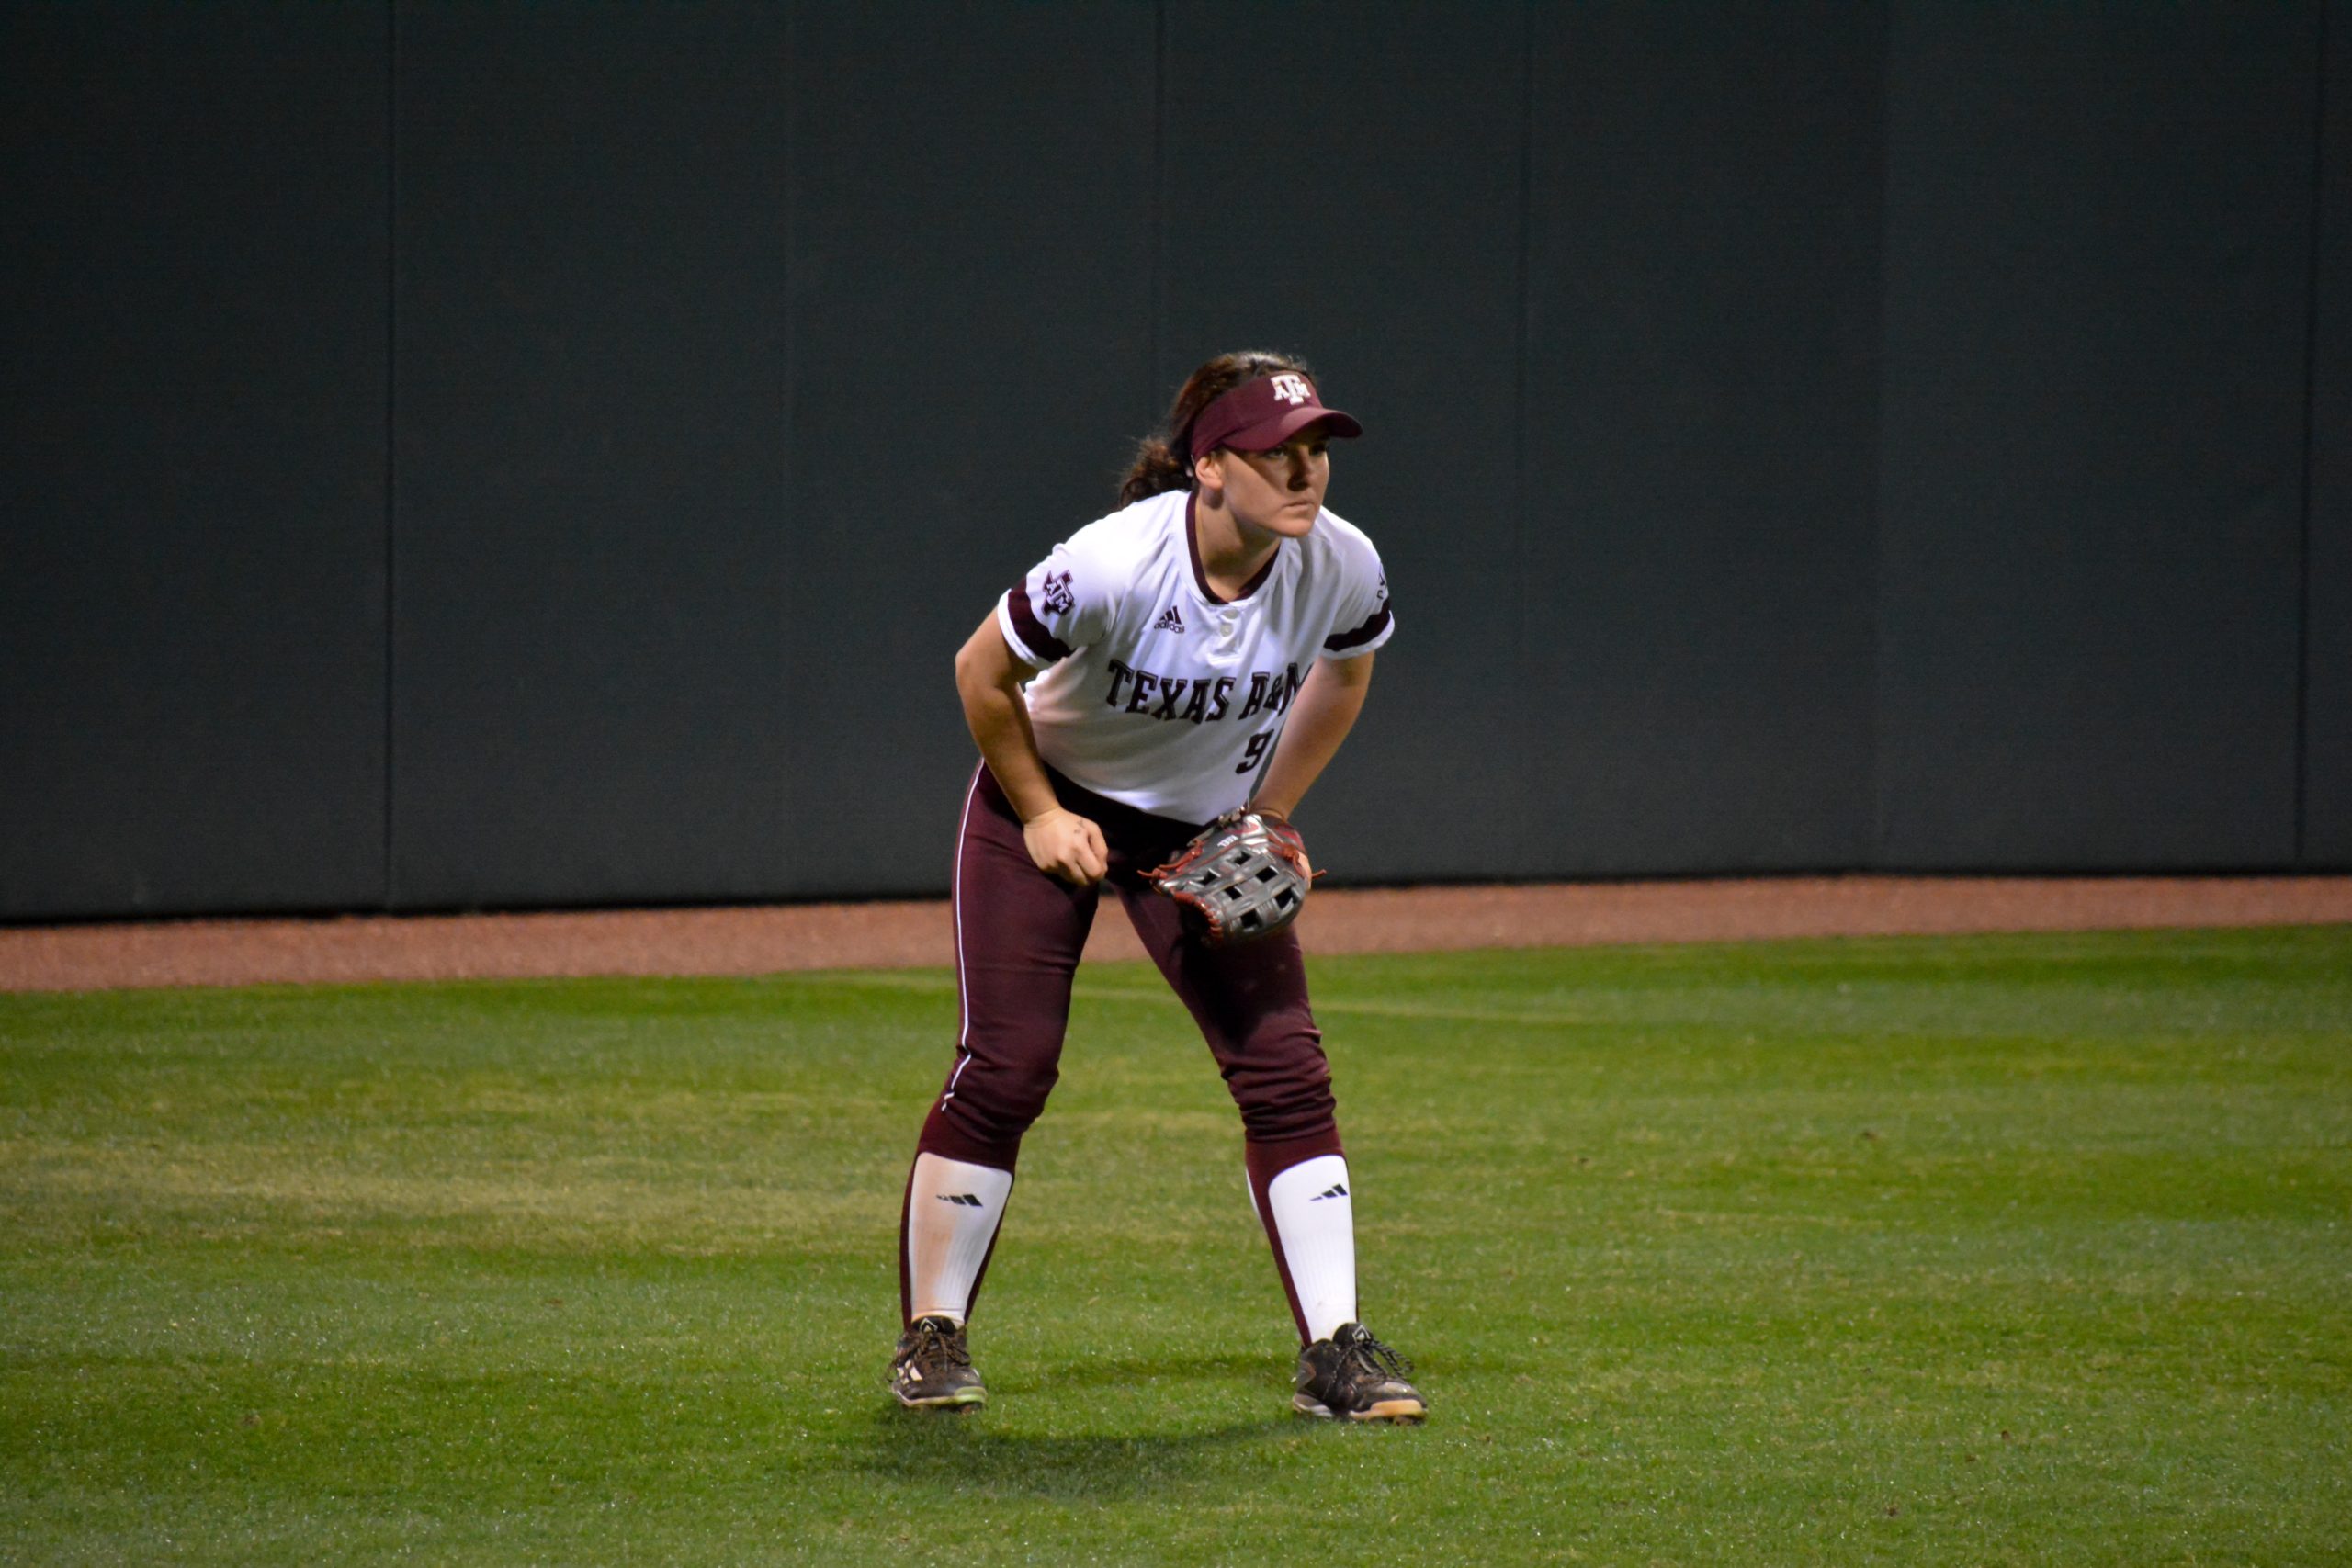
(972, 660)
(977, 673)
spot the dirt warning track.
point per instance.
(769, 938)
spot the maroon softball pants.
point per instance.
(1019, 933)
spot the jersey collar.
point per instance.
(1200, 577)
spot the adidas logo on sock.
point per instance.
(1338, 1189)
(962, 1200)
(1170, 622)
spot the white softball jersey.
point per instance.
(1158, 692)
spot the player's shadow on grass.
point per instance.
(973, 1452)
(1135, 1371)
(927, 1448)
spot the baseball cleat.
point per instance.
(1353, 1377)
(933, 1367)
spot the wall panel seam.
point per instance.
(2310, 422)
(1875, 855)
(386, 898)
(789, 677)
(1156, 281)
(1523, 834)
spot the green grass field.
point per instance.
(1997, 1250)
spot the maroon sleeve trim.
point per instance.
(1363, 634)
(1033, 631)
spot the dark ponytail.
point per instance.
(1158, 469)
(1164, 461)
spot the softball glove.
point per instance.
(1244, 877)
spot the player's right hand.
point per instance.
(1067, 845)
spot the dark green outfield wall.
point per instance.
(510, 455)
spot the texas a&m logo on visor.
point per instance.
(1292, 388)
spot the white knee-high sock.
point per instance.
(1316, 1219)
(953, 1210)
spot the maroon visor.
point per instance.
(1260, 416)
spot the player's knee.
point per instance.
(1280, 1121)
(1287, 1100)
(1001, 1102)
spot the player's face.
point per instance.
(1280, 490)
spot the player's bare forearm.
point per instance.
(1319, 720)
(988, 679)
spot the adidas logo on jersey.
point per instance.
(1337, 1189)
(961, 1200)
(1171, 622)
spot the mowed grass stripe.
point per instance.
(1160, 995)
(2013, 1249)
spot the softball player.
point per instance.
(1208, 645)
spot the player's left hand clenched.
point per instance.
(1067, 845)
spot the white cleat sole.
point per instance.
(962, 1399)
(1404, 1411)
